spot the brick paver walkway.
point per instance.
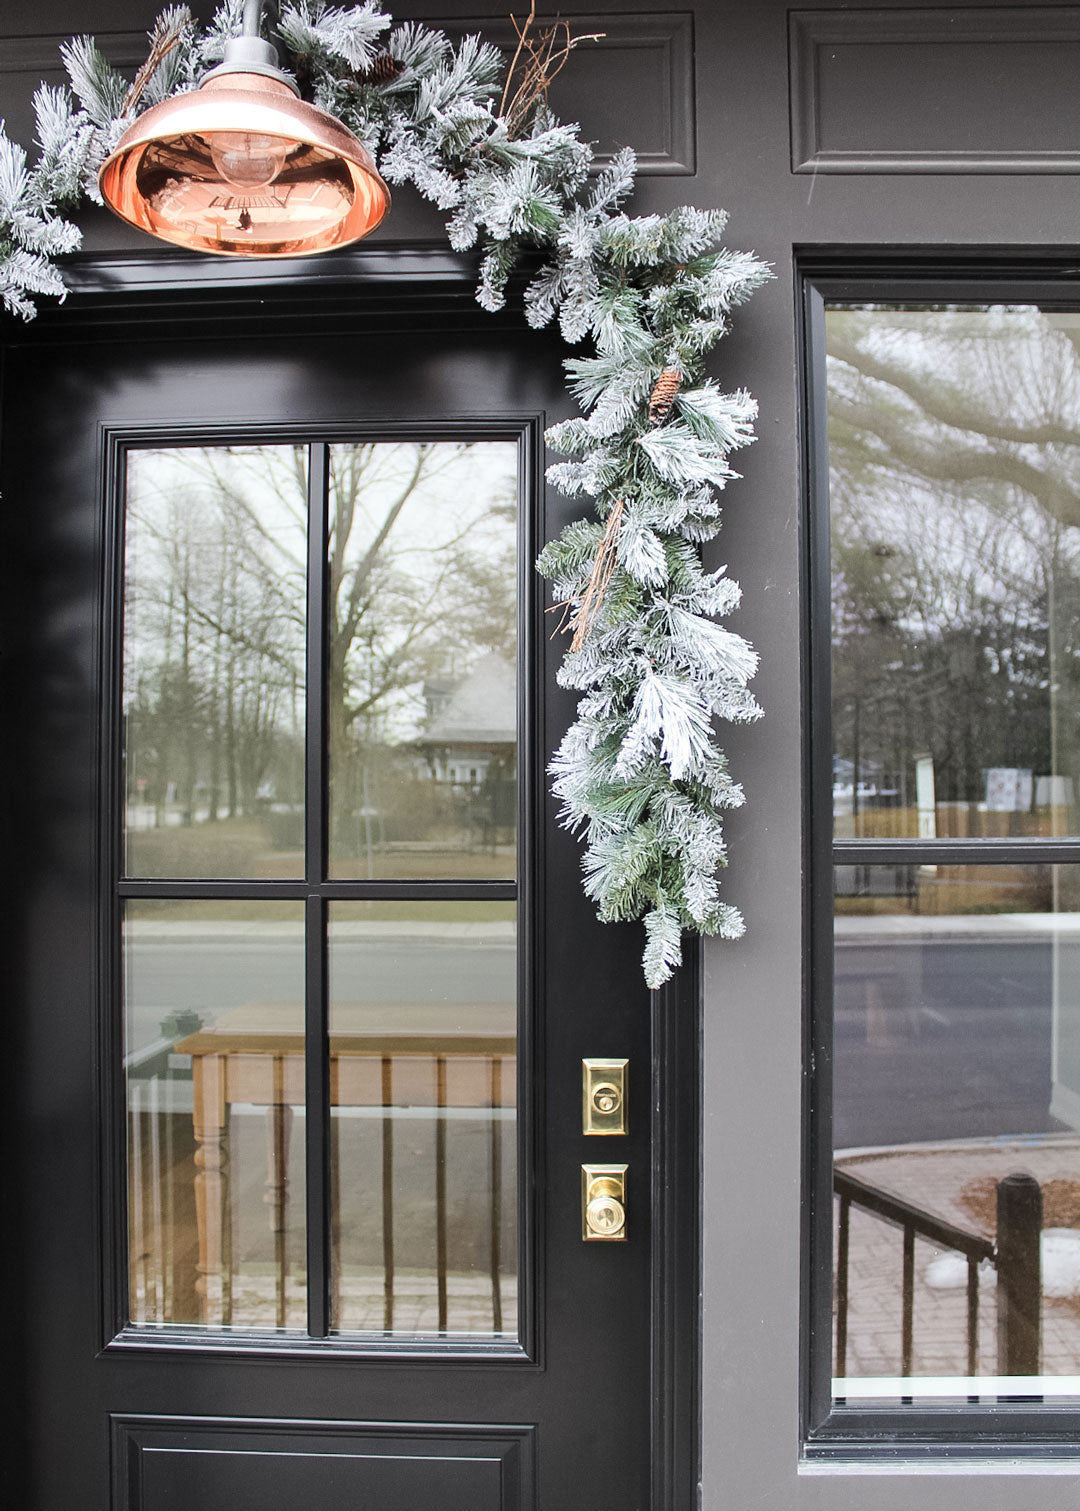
(937, 1178)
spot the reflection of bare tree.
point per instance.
(215, 628)
(955, 458)
(421, 568)
(411, 602)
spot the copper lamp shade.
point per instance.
(241, 166)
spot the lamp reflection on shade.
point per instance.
(242, 167)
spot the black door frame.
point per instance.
(170, 296)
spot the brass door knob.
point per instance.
(603, 1203)
(605, 1216)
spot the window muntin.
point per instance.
(955, 551)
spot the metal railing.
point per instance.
(186, 1188)
(1015, 1257)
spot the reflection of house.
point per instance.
(473, 728)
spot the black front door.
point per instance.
(300, 978)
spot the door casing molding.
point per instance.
(178, 296)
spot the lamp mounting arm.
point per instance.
(251, 52)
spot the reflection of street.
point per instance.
(941, 1037)
(439, 984)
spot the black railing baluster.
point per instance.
(337, 1318)
(972, 1318)
(226, 1220)
(137, 1233)
(1019, 1234)
(907, 1325)
(388, 1191)
(277, 1187)
(440, 1187)
(842, 1252)
(496, 1193)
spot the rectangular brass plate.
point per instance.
(603, 1082)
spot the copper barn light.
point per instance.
(243, 167)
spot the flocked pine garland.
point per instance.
(639, 771)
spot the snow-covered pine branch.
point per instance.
(639, 771)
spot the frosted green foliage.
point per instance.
(98, 87)
(225, 23)
(639, 774)
(31, 233)
(309, 27)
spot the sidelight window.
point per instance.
(318, 914)
(946, 1103)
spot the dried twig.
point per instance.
(603, 568)
(540, 55)
(163, 39)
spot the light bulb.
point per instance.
(246, 159)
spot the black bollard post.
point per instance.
(1019, 1274)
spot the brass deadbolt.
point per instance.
(606, 1097)
(603, 1096)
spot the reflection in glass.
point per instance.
(956, 1067)
(214, 1065)
(214, 626)
(422, 701)
(954, 456)
(423, 1088)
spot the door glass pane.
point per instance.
(422, 690)
(954, 451)
(214, 1065)
(956, 1118)
(214, 627)
(424, 1095)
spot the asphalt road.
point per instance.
(933, 1039)
(942, 1039)
(412, 984)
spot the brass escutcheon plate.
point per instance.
(603, 1203)
(603, 1096)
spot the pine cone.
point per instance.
(663, 395)
(383, 69)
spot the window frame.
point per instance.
(832, 1431)
(316, 892)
